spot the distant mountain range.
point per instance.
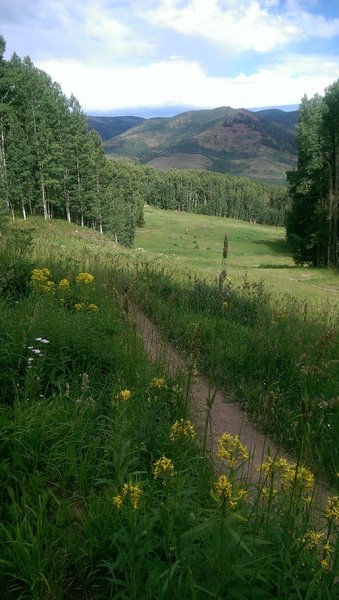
(260, 145)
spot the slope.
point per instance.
(236, 141)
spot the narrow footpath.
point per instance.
(225, 415)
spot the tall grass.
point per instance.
(105, 489)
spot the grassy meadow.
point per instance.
(260, 251)
(106, 491)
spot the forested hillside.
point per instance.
(233, 141)
(50, 164)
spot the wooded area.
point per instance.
(313, 225)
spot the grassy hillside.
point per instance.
(236, 141)
(106, 490)
(261, 251)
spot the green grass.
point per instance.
(261, 251)
(87, 419)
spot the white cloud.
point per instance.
(244, 24)
(182, 82)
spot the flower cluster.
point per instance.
(64, 284)
(288, 474)
(182, 429)
(163, 469)
(85, 278)
(159, 383)
(83, 306)
(124, 395)
(131, 493)
(225, 491)
(311, 539)
(232, 450)
(41, 282)
(332, 508)
(223, 488)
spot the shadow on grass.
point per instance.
(273, 266)
(276, 246)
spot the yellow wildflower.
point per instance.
(40, 275)
(324, 563)
(223, 488)
(124, 395)
(232, 450)
(163, 468)
(332, 508)
(93, 307)
(183, 429)
(133, 492)
(311, 539)
(48, 287)
(328, 547)
(159, 383)
(117, 500)
(85, 278)
(64, 283)
(79, 306)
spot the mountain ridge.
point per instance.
(259, 145)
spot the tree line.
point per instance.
(50, 163)
(209, 193)
(313, 222)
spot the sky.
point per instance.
(159, 57)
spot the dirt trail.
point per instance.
(226, 416)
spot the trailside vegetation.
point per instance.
(106, 486)
(51, 165)
(313, 223)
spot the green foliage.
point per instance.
(104, 492)
(313, 223)
(50, 164)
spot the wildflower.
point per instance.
(131, 492)
(223, 488)
(328, 547)
(289, 474)
(124, 395)
(64, 283)
(182, 429)
(40, 275)
(85, 278)
(332, 508)
(79, 306)
(36, 351)
(163, 468)
(93, 307)
(117, 500)
(159, 383)
(48, 287)
(232, 450)
(225, 305)
(324, 563)
(311, 538)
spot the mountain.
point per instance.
(108, 127)
(258, 145)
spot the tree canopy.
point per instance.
(312, 225)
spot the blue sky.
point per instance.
(161, 56)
